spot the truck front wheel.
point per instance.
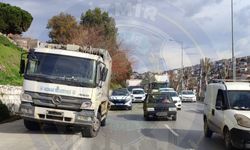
(92, 131)
(31, 125)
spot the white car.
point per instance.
(120, 99)
(175, 98)
(187, 96)
(138, 95)
(227, 112)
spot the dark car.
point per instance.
(159, 105)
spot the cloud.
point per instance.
(145, 26)
(243, 16)
(191, 7)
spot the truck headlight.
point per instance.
(242, 120)
(26, 98)
(86, 104)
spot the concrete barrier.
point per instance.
(10, 96)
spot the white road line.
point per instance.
(173, 132)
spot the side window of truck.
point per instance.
(220, 99)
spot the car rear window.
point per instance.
(159, 98)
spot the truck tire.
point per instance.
(227, 139)
(92, 131)
(31, 125)
(207, 132)
(103, 122)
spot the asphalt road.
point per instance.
(125, 130)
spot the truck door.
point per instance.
(217, 112)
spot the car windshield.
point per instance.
(130, 88)
(187, 93)
(60, 69)
(138, 92)
(166, 89)
(172, 94)
(239, 99)
(120, 92)
(159, 98)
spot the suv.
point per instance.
(121, 98)
(159, 105)
(227, 112)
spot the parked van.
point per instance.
(227, 112)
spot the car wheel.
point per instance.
(174, 118)
(146, 118)
(207, 132)
(31, 125)
(130, 108)
(92, 131)
(227, 139)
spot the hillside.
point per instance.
(9, 62)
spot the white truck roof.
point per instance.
(74, 50)
(67, 53)
(232, 85)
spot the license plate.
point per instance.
(162, 114)
(54, 113)
(172, 109)
(119, 104)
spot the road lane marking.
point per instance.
(173, 132)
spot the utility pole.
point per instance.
(233, 57)
(182, 66)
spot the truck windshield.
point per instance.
(60, 69)
(159, 85)
(187, 93)
(239, 99)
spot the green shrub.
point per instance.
(4, 112)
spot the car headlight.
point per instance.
(26, 97)
(150, 109)
(128, 98)
(86, 104)
(242, 120)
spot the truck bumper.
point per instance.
(240, 138)
(56, 116)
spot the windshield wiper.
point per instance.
(241, 108)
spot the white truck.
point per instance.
(65, 85)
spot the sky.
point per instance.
(154, 31)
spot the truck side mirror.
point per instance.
(22, 67)
(104, 74)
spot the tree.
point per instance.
(13, 19)
(205, 72)
(104, 24)
(62, 27)
(96, 29)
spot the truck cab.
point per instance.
(66, 85)
(227, 112)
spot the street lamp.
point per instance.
(233, 57)
(182, 66)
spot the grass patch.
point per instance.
(9, 63)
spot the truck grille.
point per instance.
(67, 103)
